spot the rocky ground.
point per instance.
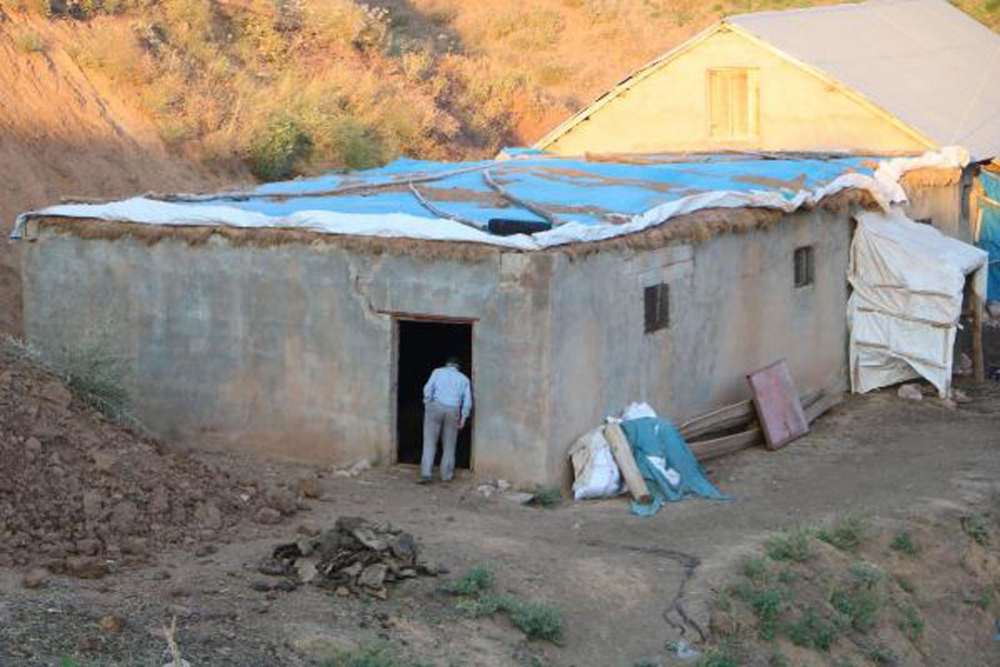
(83, 496)
(625, 587)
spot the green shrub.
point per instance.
(379, 654)
(538, 620)
(813, 631)
(793, 547)
(31, 42)
(879, 654)
(476, 579)
(767, 605)
(755, 568)
(92, 369)
(904, 542)
(976, 526)
(354, 144)
(280, 149)
(860, 605)
(719, 658)
(846, 534)
(547, 496)
(983, 599)
(911, 622)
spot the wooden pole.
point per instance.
(615, 436)
(978, 358)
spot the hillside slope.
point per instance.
(113, 97)
(62, 134)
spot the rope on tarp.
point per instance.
(517, 201)
(330, 192)
(441, 213)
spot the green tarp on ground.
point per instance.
(657, 438)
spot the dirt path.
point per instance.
(614, 576)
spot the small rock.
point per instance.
(519, 497)
(208, 515)
(911, 392)
(104, 460)
(56, 393)
(308, 529)
(306, 571)
(111, 624)
(33, 444)
(86, 567)
(260, 585)
(36, 578)
(88, 546)
(503, 485)
(359, 467)
(93, 505)
(373, 576)
(88, 644)
(309, 487)
(960, 396)
(179, 592)
(205, 550)
(282, 500)
(267, 516)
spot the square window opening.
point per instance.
(804, 266)
(657, 307)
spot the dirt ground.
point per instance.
(615, 577)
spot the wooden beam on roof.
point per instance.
(517, 201)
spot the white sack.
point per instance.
(595, 472)
(638, 411)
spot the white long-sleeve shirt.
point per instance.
(449, 386)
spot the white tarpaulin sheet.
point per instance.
(909, 282)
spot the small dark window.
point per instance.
(804, 266)
(657, 300)
(924, 221)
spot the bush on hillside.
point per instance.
(280, 149)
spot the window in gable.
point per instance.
(733, 94)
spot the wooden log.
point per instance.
(730, 416)
(707, 450)
(622, 452)
(814, 404)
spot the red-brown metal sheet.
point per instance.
(778, 406)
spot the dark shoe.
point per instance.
(423, 480)
(449, 479)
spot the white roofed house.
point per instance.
(884, 77)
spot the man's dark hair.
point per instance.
(453, 361)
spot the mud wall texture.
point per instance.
(733, 308)
(291, 349)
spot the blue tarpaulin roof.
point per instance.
(581, 199)
(571, 189)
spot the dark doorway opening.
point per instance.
(424, 346)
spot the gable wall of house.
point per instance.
(669, 110)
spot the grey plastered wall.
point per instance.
(290, 349)
(942, 206)
(733, 308)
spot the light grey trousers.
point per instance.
(439, 421)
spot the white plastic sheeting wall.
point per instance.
(909, 283)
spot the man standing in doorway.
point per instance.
(447, 404)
